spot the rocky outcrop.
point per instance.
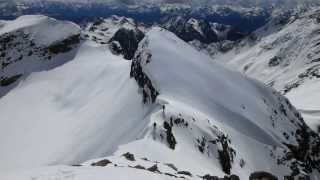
(225, 154)
(210, 177)
(141, 58)
(64, 45)
(170, 137)
(191, 29)
(304, 156)
(122, 34)
(262, 176)
(129, 156)
(102, 163)
(128, 39)
(7, 81)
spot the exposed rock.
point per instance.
(170, 137)
(76, 165)
(7, 81)
(303, 177)
(234, 177)
(275, 61)
(200, 29)
(187, 173)
(129, 156)
(202, 144)
(171, 175)
(262, 176)
(154, 168)
(191, 29)
(115, 47)
(65, 45)
(225, 155)
(101, 163)
(141, 58)
(139, 167)
(209, 177)
(129, 41)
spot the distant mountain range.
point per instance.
(244, 15)
(240, 3)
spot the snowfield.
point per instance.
(171, 112)
(43, 30)
(285, 55)
(63, 114)
(34, 43)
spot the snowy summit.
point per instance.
(183, 97)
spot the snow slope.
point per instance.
(237, 107)
(170, 105)
(40, 27)
(76, 112)
(285, 55)
(34, 43)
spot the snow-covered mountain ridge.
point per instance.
(170, 112)
(248, 18)
(34, 43)
(284, 54)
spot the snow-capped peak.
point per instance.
(41, 29)
(34, 43)
(195, 24)
(171, 112)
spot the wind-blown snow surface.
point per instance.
(43, 30)
(89, 106)
(285, 55)
(70, 114)
(34, 43)
(221, 100)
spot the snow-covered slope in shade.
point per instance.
(285, 55)
(34, 43)
(81, 110)
(212, 118)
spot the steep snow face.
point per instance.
(213, 112)
(285, 55)
(81, 110)
(34, 43)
